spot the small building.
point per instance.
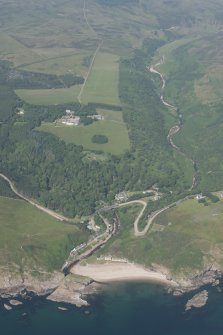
(156, 197)
(200, 197)
(21, 111)
(122, 196)
(98, 117)
(92, 226)
(71, 121)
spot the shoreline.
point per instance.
(84, 280)
(121, 272)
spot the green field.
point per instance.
(60, 61)
(32, 238)
(49, 96)
(102, 83)
(15, 52)
(112, 126)
(101, 86)
(186, 238)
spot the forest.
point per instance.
(58, 175)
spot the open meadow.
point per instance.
(60, 61)
(113, 127)
(32, 238)
(49, 96)
(102, 83)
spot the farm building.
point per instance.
(122, 196)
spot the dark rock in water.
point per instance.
(14, 302)
(62, 308)
(7, 307)
(199, 300)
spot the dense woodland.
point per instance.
(59, 176)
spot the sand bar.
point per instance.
(110, 272)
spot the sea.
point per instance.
(119, 309)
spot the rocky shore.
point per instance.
(197, 301)
(54, 286)
(74, 288)
(210, 276)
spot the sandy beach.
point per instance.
(110, 272)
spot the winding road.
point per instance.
(137, 232)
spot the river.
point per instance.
(133, 309)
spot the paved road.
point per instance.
(137, 232)
(136, 222)
(33, 203)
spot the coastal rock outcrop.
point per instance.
(199, 300)
(72, 289)
(13, 283)
(69, 289)
(209, 276)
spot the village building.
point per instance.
(200, 196)
(98, 117)
(20, 111)
(71, 121)
(122, 196)
(92, 226)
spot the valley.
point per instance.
(101, 98)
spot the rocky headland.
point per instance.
(75, 288)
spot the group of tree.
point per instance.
(60, 177)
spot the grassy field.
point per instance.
(185, 239)
(49, 96)
(32, 238)
(112, 126)
(15, 52)
(167, 51)
(60, 61)
(102, 84)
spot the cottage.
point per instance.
(71, 121)
(98, 117)
(200, 197)
(122, 196)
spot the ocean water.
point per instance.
(131, 309)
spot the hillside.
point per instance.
(104, 96)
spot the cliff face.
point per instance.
(209, 276)
(54, 285)
(72, 288)
(14, 282)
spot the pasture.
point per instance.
(102, 83)
(32, 238)
(49, 96)
(60, 61)
(15, 52)
(112, 126)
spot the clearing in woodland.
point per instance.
(113, 127)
